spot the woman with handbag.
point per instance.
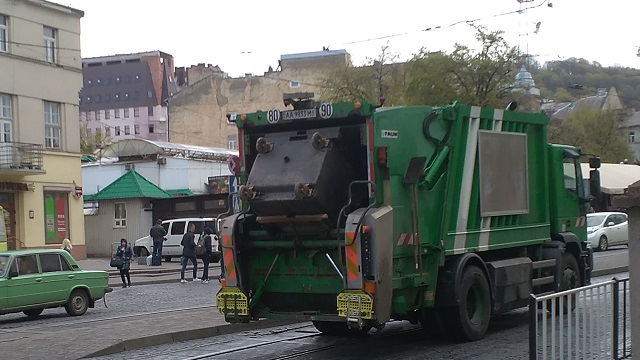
(125, 253)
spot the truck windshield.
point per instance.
(594, 220)
(4, 264)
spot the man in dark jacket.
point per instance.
(208, 252)
(157, 234)
(189, 253)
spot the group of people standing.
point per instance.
(189, 245)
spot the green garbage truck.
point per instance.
(354, 214)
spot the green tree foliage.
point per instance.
(560, 78)
(91, 141)
(380, 77)
(595, 131)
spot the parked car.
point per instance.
(33, 280)
(607, 228)
(175, 229)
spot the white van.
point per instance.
(175, 229)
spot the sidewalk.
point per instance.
(119, 334)
(147, 275)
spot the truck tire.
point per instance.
(570, 279)
(470, 319)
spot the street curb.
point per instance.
(154, 271)
(152, 282)
(186, 335)
(610, 271)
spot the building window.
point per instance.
(98, 81)
(50, 44)
(88, 115)
(150, 94)
(126, 113)
(231, 120)
(150, 111)
(117, 131)
(117, 79)
(136, 129)
(96, 99)
(56, 214)
(107, 98)
(116, 113)
(632, 137)
(136, 95)
(233, 142)
(137, 78)
(294, 84)
(88, 99)
(107, 114)
(89, 82)
(98, 114)
(120, 215)
(107, 131)
(4, 33)
(127, 130)
(52, 125)
(116, 97)
(126, 96)
(6, 121)
(136, 112)
(88, 132)
(151, 129)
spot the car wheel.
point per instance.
(603, 244)
(167, 258)
(33, 312)
(143, 252)
(78, 303)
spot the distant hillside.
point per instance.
(568, 80)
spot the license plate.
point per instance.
(299, 114)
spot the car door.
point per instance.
(56, 281)
(26, 288)
(610, 229)
(174, 237)
(622, 227)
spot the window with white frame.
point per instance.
(120, 215)
(294, 84)
(136, 129)
(98, 114)
(632, 136)
(50, 44)
(4, 33)
(117, 131)
(127, 130)
(126, 112)
(136, 112)
(233, 142)
(52, 125)
(107, 131)
(6, 120)
(107, 114)
(231, 119)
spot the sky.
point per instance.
(249, 36)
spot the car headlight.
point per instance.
(591, 231)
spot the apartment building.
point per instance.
(125, 96)
(40, 175)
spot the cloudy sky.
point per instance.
(248, 36)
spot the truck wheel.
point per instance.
(603, 244)
(469, 320)
(570, 278)
(78, 303)
(33, 312)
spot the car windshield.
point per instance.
(4, 264)
(595, 220)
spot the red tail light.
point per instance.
(382, 156)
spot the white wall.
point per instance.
(176, 174)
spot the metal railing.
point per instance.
(21, 156)
(584, 323)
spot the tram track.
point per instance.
(43, 326)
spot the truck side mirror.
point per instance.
(594, 183)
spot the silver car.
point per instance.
(607, 228)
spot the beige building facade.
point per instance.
(197, 114)
(40, 174)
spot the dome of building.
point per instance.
(524, 78)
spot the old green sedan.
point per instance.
(32, 280)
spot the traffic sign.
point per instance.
(234, 164)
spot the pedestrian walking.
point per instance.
(66, 245)
(158, 235)
(125, 253)
(189, 253)
(208, 252)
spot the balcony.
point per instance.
(16, 157)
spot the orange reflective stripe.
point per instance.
(228, 257)
(352, 257)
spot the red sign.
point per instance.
(78, 191)
(61, 223)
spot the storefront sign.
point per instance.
(11, 186)
(78, 191)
